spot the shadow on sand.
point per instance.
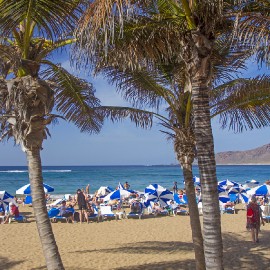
(5, 263)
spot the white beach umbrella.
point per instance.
(157, 193)
(117, 194)
(6, 198)
(226, 184)
(260, 190)
(26, 189)
(102, 191)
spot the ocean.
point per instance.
(67, 179)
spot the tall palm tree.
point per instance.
(244, 103)
(161, 28)
(31, 86)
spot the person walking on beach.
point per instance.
(175, 188)
(87, 189)
(254, 216)
(81, 201)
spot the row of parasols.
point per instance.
(157, 193)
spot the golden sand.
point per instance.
(151, 243)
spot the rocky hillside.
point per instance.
(260, 155)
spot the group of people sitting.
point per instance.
(11, 211)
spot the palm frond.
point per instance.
(242, 103)
(74, 98)
(141, 118)
(53, 18)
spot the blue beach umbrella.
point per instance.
(117, 195)
(227, 184)
(236, 190)
(260, 190)
(6, 198)
(243, 197)
(223, 195)
(157, 193)
(26, 189)
(120, 186)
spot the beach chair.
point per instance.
(106, 212)
(226, 210)
(20, 218)
(55, 203)
(151, 210)
(137, 212)
(54, 216)
(94, 216)
(28, 200)
(266, 213)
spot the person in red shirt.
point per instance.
(254, 216)
(13, 211)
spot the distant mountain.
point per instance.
(260, 155)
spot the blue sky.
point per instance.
(122, 143)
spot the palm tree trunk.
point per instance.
(213, 247)
(195, 223)
(50, 249)
(184, 147)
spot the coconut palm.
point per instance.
(240, 104)
(162, 28)
(31, 86)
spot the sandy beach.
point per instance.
(150, 243)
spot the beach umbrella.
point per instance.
(26, 189)
(252, 182)
(117, 194)
(227, 184)
(120, 186)
(260, 190)
(243, 197)
(236, 190)
(6, 198)
(102, 191)
(157, 193)
(223, 197)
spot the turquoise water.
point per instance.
(67, 179)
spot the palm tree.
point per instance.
(31, 31)
(242, 102)
(161, 28)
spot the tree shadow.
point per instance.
(168, 265)
(241, 253)
(147, 247)
(5, 263)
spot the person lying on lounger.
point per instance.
(136, 207)
(64, 212)
(11, 211)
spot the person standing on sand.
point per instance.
(175, 188)
(254, 216)
(81, 201)
(87, 189)
(126, 185)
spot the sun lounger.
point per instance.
(106, 212)
(266, 213)
(20, 218)
(54, 216)
(95, 215)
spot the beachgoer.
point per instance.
(126, 185)
(12, 211)
(81, 201)
(64, 212)
(175, 188)
(87, 189)
(254, 215)
(136, 206)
